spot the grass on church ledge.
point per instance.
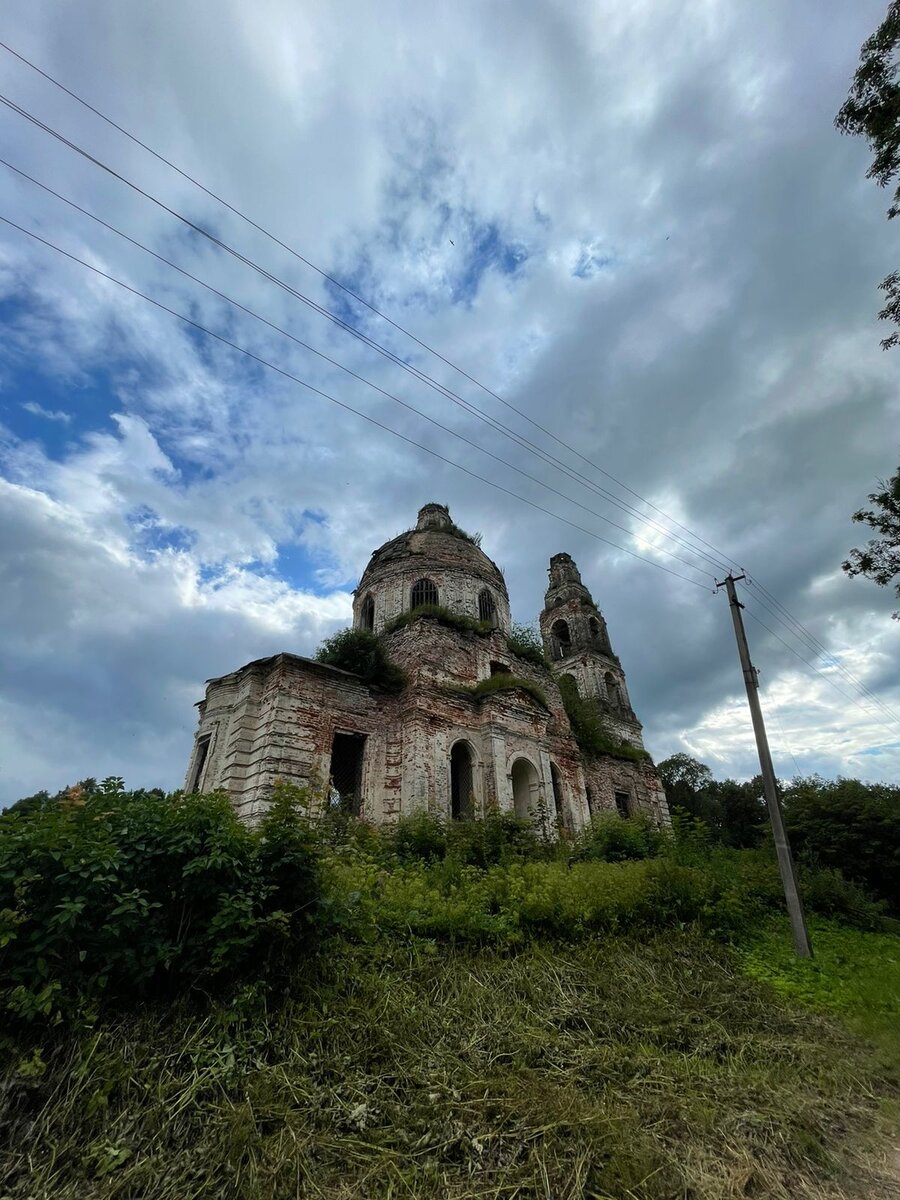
(503, 682)
(437, 612)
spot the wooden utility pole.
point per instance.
(782, 846)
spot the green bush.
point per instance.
(826, 892)
(609, 838)
(497, 837)
(117, 896)
(419, 837)
(363, 654)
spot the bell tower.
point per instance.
(576, 643)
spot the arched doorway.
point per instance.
(526, 788)
(462, 782)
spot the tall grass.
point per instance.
(610, 1069)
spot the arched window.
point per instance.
(367, 614)
(424, 591)
(526, 789)
(487, 609)
(594, 626)
(562, 639)
(612, 690)
(462, 786)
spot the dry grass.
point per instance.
(608, 1069)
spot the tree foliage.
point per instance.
(872, 110)
(851, 826)
(880, 559)
(734, 812)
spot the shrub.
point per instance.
(496, 838)
(588, 729)
(118, 896)
(525, 642)
(503, 682)
(363, 654)
(609, 838)
(419, 837)
(826, 892)
(443, 616)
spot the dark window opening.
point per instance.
(200, 761)
(556, 782)
(590, 801)
(424, 591)
(499, 668)
(562, 639)
(368, 614)
(462, 785)
(487, 609)
(345, 772)
(612, 691)
(623, 804)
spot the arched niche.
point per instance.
(526, 788)
(367, 614)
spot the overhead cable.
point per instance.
(358, 298)
(340, 403)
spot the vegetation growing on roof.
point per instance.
(504, 682)
(590, 733)
(437, 612)
(362, 653)
(525, 642)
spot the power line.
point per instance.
(454, 397)
(852, 699)
(326, 358)
(814, 644)
(360, 299)
(340, 403)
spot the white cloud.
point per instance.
(38, 410)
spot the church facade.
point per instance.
(450, 741)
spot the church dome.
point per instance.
(435, 563)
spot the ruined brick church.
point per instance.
(441, 743)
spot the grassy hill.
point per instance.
(484, 1020)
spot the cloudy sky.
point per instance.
(632, 221)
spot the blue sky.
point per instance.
(657, 248)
